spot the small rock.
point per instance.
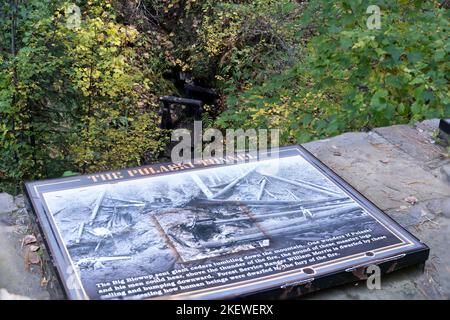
(7, 203)
(29, 239)
(412, 200)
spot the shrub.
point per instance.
(353, 78)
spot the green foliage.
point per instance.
(352, 77)
(74, 98)
(114, 128)
(241, 43)
(70, 174)
(26, 94)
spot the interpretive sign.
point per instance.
(227, 228)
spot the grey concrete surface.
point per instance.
(388, 165)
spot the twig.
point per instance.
(434, 222)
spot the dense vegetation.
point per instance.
(82, 95)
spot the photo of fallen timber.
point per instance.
(144, 226)
(259, 219)
(262, 220)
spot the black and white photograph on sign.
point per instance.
(158, 224)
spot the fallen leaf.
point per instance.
(44, 282)
(33, 258)
(411, 199)
(29, 239)
(34, 248)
